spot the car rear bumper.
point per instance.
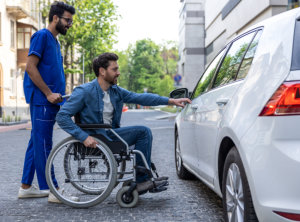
(270, 151)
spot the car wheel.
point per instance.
(237, 200)
(181, 171)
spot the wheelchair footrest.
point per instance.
(158, 189)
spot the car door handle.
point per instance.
(194, 106)
(222, 102)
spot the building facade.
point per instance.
(207, 26)
(18, 21)
(191, 42)
(227, 19)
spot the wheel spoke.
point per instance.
(233, 216)
(240, 212)
(230, 191)
(235, 177)
(230, 178)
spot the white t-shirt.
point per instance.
(108, 109)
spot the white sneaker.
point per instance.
(32, 191)
(53, 199)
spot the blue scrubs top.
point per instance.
(47, 48)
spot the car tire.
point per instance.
(181, 171)
(237, 200)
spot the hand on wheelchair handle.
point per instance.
(90, 142)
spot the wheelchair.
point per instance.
(91, 174)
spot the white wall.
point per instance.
(8, 61)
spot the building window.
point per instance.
(12, 34)
(293, 4)
(24, 38)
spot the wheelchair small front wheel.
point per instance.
(127, 200)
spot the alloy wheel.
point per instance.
(178, 157)
(234, 194)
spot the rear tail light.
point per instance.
(291, 216)
(285, 101)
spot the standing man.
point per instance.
(101, 101)
(44, 83)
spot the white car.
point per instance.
(241, 134)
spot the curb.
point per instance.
(13, 123)
(15, 127)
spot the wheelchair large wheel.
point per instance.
(79, 151)
(86, 175)
(74, 151)
(84, 187)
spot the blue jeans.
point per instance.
(40, 144)
(141, 137)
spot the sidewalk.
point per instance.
(15, 127)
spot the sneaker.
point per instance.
(53, 199)
(148, 185)
(32, 191)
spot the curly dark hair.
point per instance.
(103, 61)
(58, 8)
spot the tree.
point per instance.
(145, 66)
(92, 33)
(123, 79)
(169, 54)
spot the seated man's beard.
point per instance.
(61, 28)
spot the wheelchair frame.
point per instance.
(127, 196)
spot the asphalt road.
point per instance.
(183, 201)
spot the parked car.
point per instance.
(241, 133)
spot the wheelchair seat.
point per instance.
(117, 147)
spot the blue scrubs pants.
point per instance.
(141, 137)
(40, 144)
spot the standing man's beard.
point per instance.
(61, 28)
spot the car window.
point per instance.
(232, 60)
(247, 61)
(207, 77)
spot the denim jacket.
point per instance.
(87, 100)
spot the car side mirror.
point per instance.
(179, 93)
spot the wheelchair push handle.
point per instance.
(66, 96)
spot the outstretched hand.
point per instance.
(179, 102)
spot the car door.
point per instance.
(188, 147)
(212, 104)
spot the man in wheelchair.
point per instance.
(101, 101)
